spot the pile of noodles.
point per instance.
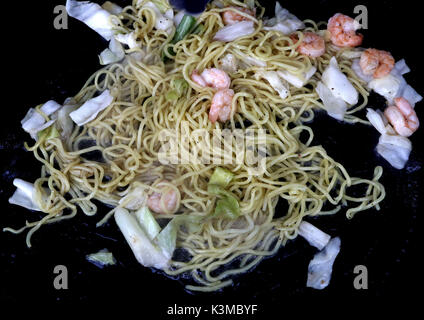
(127, 135)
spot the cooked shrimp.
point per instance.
(377, 63)
(196, 77)
(312, 44)
(343, 31)
(231, 17)
(221, 106)
(164, 202)
(212, 77)
(402, 117)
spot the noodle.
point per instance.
(126, 136)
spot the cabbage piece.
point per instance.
(394, 85)
(167, 239)
(91, 108)
(247, 61)
(379, 121)
(114, 53)
(146, 252)
(135, 199)
(321, 266)
(339, 84)
(221, 177)
(162, 21)
(101, 258)
(387, 86)
(151, 246)
(33, 122)
(228, 63)
(313, 235)
(24, 195)
(352, 53)
(48, 133)
(64, 123)
(296, 80)
(235, 31)
(148, 222)
(276, 82)
(112, 8)
(334, 106)
(227, 206)
(93, 15)
(130, 39)
(284, 21)
(395, 149)
(358, 71)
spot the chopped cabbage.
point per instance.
(395, 149)
(334, 106)
(276, 82)
(101, 258)
(321, 266)
(284, 21)
(33, 122)
(339, 84)
(313, 235)
(235, 31)
(114, 53)
(162, 21)
(24, 195)
(93, 15)
(296, 80)
(91, 108)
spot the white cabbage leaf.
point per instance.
(91, 108)
(135, 199)
(275, 81)
(146, 252)
(24, 195)
(162, 21)
(313, 235)
(339, 84)
(334, 106)
(321, 266)
(114, 53)
(395, 149)
(235, 31)
(229, 63)
(284, 21)
(394, 85)
(34, 122)
(297, 80)
(93, 15)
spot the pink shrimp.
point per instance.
(312, 44)
(377, 63)
(343, 31)
(212, 77)
(231, 17)
(165, 201)
(221, 106)
(402, 117)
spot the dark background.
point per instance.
(42, 63)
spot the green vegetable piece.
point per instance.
(185, 27)
(221, 177)
(227, 207)
(101, 258)
(48, 133)
(148, 222)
